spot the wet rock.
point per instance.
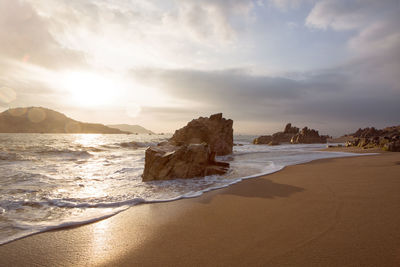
(308, 136)
(274, 143)
(186, 161)
(387, 138)
(278, 137)
(191, 151)
(264, 139)
(392, 146)
(289, 129)
(215, 131)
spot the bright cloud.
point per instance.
(162, 62)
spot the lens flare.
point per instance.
(133, 110)
(7, 95)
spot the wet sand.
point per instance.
(334, 212)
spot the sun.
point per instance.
(90, 89)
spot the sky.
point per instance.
(333, 65)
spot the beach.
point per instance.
(329, 212)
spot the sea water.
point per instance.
(49, 181)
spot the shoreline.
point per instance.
(234, 215)
(72, 224)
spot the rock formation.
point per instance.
(308, 136)
(191, 151)
(279, 137)
(387, 138)
(187, 161)
(262, 140)
(216, 131)
(292, 135)
(289, 129)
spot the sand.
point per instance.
(335, 212)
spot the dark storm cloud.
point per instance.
(363, 91)
(336, 95)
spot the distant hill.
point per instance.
(131, 128)
(43, 120)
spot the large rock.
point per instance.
(282, 137)
(308, 136)
(187, 161)
(264, 139)
(289, 129)
(387, 138)
(215, 131)
(279, 137)
(393, 146)
(191, 151)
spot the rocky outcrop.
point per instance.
(289, 129)
(279, 137)
(308, 136)
(388, 138)
(292, 135)
(187, 161)
(215, 131)
(262, 140)
(191, 151)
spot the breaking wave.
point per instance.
(75, 179)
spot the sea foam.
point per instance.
(69, 180)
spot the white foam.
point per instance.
(116, 171)
(31, 229)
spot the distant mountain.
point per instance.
(131, 128)
(43, 120)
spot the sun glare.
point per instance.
(89, 89)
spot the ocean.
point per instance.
(49, 181)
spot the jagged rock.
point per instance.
(264, 139)
(282, 137)
(387, 138)
(277, 138)
(216, 131)
(274, 143)
(191, 151)
(290, 130)
(392, 146)
(186, 161)
(308, 136)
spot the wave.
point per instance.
(68, 203)
(29, 229)
(13, 156)
(90, 148)
(96, 209)
(10, 156)
(65, 152)
(125, 170)
(134, 144)
(131, 144)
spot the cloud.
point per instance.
(338, 14)
(186, 48)
(374, 44)
(24, 36)
(342, 15)
(288, 4)
(123, 34)
(337, 96)
(209, 20)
